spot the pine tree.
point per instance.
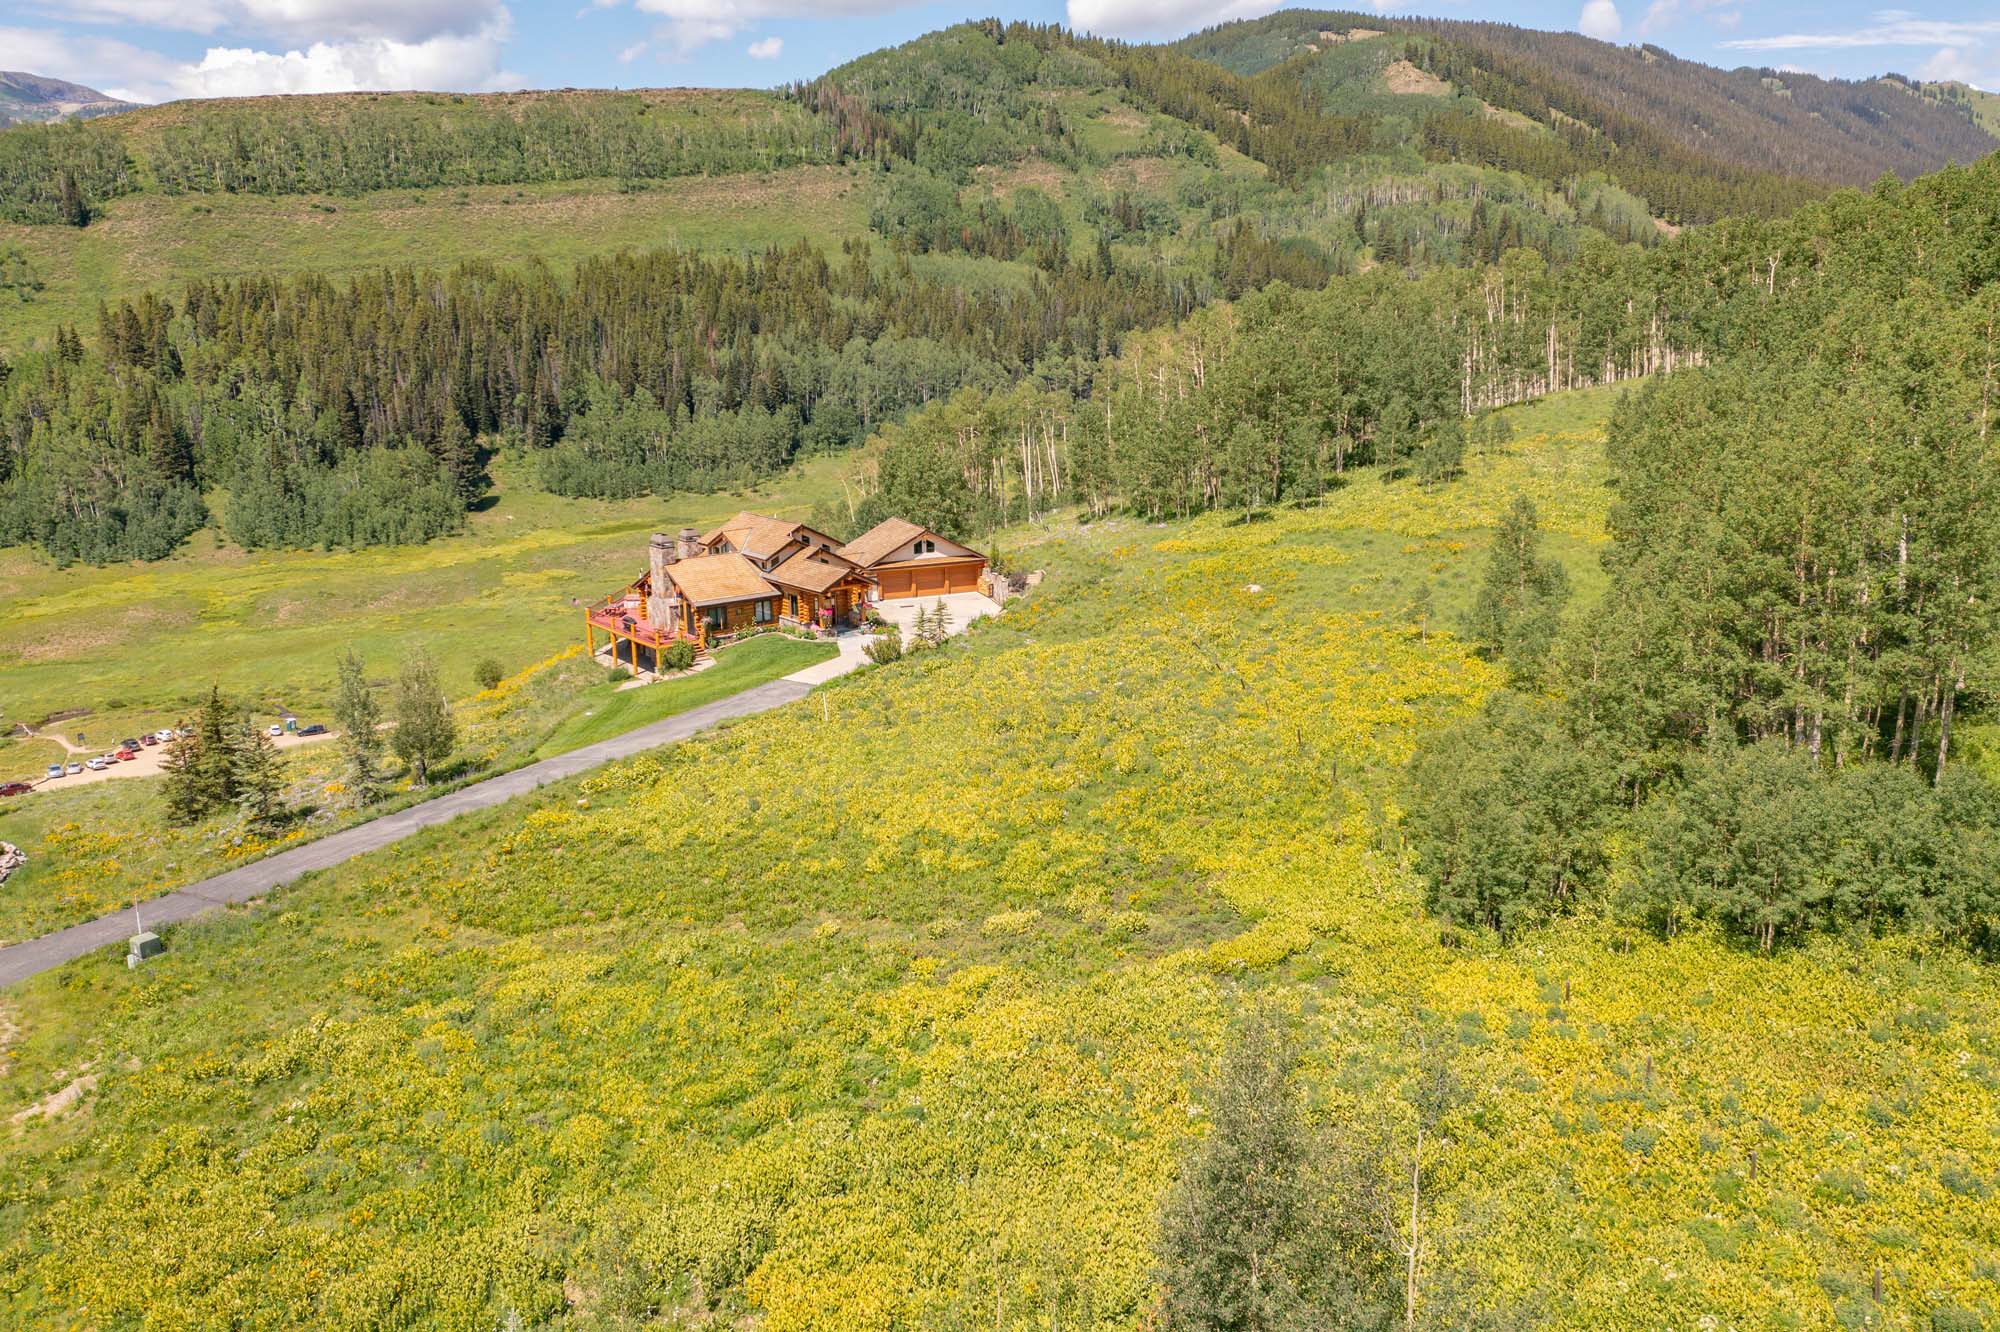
(357, 714)
(213, 772)
(940, 622)
(183, 796)
(71, 207)
(254, 770)
(425, 732)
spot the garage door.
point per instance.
(963, 578)
(932, 582)
(895, 585)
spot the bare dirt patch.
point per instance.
(1003, 181)
(1405, 79)
(58, 1101)
(10, 1032)
(1151, 173)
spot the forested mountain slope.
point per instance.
(1008, 203)
(1833, 130)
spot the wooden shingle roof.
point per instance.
(709, 580)
(812, 570)
(880, 540)
(754, 534)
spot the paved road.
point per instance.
(35, 956)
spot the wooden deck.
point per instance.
(620, 624)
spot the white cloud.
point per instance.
(1959, 65)
(97, 62)
(767, 49)
(1168, 18)
(1891, 28)
(306, 21)
(1600, 19)
(632, 52)
(1662, 13)
(690, 24)
(471, 62)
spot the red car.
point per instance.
(127, 755)
(15, 788)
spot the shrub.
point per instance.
(678, 656)
(488, 673)
(885, 649)
(619, 674)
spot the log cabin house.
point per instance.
(755, 572)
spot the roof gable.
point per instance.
(813, 570)
(755, 534)
(880, 540)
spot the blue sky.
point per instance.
(152, 50)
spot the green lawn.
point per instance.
(607, 710)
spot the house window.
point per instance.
(713, 617)
(926, 547)
(764, 615)
(792, 607)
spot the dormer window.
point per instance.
(926, 546)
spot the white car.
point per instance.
(276, 730)
(75, 768)
(55, 771)
(98, 764)
(164, 736)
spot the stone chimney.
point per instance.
(690, 543)
(660, 553)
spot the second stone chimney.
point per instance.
(689, 545)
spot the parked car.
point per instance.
(55, 771)
(164, 735)
(75, 768)
(314, 729)
(15, 788)
(98, 764)
(149, 740)
(276, 729)
(132, 745)
(126, 755)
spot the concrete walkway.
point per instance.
(30, 958)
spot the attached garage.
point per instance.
(908, 561)
(929, 580)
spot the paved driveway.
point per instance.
(964, 608)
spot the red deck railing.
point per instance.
(616, 619)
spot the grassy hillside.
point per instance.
(901, 1020)
(157, 242)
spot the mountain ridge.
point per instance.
(27, 98)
